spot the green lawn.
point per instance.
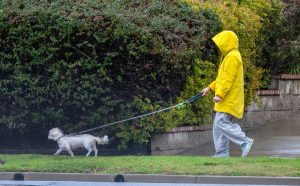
(172, 165)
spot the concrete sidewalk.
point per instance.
(150, 178)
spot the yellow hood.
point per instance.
(226, 41)
(229, 84)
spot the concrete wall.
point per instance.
(176, 142)
(282, 101)
(272, 106)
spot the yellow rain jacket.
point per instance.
(229, 84)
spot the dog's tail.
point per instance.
(103, 140)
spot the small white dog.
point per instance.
(68, 143)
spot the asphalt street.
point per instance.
(68, 183)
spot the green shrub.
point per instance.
(270, 14)
(81, 64)
(285, 51)
(198, 112)
(246, 23)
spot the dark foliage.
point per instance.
(80, 64)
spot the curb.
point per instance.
(152, 178)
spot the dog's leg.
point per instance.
(89, 151)
(70, 151)
(95, 150)
(58, 152)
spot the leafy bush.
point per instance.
(246, 23)
(270, 14)
(81, 64)
(285, 51)
(198, 112)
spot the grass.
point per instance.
(171, 165)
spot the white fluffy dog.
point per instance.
(68, 143)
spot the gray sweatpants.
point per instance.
(224, 130)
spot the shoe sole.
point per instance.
(247, 152)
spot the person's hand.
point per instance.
(217, 99)
(205, 91)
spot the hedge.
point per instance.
(81, 64)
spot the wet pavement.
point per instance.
(280, 138)
(74, 179)
(71, 183)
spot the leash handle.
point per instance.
(195, 97)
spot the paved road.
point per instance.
(280, 138)
(68, 183)
(75, 179)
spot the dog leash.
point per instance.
(178, 106)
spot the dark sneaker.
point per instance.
(246, 147)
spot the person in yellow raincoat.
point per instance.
(229, 97)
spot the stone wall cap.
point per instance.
(287, 76)
(268, 92)
(189, 128)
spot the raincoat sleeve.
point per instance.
(229, 72)
(212, 86)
